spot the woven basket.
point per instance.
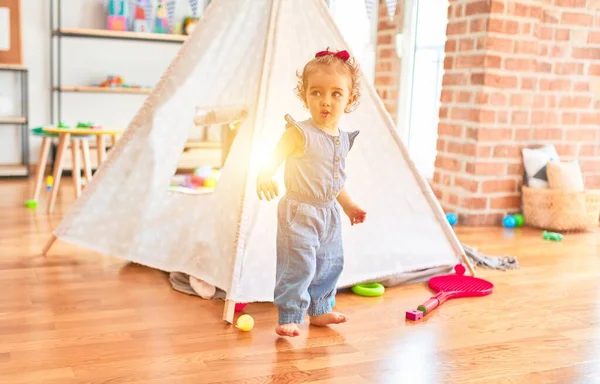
(560, 210)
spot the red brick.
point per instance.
(576, 18)
(551, 16)
(562, 35)
(497, 7)
(384, 39)
(594, 37)
(570, 3)
(565, 150)
(448, 62)
(464, 97)
(575, 102)
(443, 112)
(454, 79)
(469, 61)
(497, 44)
(590, 165)
(487, 168)
(586, 53)
(480, 219)
(483, 151)
(477, 25)
(497, 99)
(520, 117)
(528, 83)
(494, 134)
(521, 100)
(582, 86)
(501, 185)
(466, 44)
(477, 8)
(456, 28)
(591, 118)
(505, 202)
(514, 169)
(507, 151)
(523, 134)
(477, 78)
(451, 130)
(492, 61)
(466, 183)
(523, 65)
(581, 134)
(569, 118)
(474, 202)
(464, 114)
(547, 134)
(448, 163)
(458, 148)
(591, 181)
(451, 45)
(446, 96)
(500, 81)
(588, 150)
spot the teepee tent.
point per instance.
(246, 53)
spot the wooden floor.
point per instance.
(78, 317)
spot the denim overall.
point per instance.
(310, 257)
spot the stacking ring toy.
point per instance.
(369, 289)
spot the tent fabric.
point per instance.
(247, 52)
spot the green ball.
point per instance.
(520, 219)
(31, 204)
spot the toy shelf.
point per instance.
(18, 170)
(90, 89)
(12, 120)
(14, 170)
(12, 67)
(119, 35)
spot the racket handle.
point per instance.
(429, 305)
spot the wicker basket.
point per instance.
(560, 210)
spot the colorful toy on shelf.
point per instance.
(161, 20)
(189, 23)
(117, 15)
(140, 20)
(113, 81)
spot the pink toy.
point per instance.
(414, 315)
(240, 306)
(451, 287)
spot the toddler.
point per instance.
(309, 243)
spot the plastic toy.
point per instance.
(520, 219)
(332, 301)
(161, 21)
(140, 24)
(239, 307)
(117, 15)
(450, 287)
(369, 289)
(31, 203)
(245, 323)
(452, 218)
(509, 221)
(552, 236)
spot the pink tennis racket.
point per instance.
(451, 287)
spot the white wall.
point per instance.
(84, 61)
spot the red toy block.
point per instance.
(414, 315)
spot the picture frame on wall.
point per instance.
(10, 32)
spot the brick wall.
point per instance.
(387, 70)
(518, 73)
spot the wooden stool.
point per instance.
(76, 135)
(80, 142)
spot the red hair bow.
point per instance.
(344, 55)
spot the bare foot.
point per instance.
(290, 330)
(328, 318)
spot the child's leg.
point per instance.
(296, 263)
(329, 266)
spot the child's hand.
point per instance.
(267, 186)
(356, 214)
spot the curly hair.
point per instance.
(348, 67)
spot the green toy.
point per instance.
(553, 236)
(520, 219)
(369, 289)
